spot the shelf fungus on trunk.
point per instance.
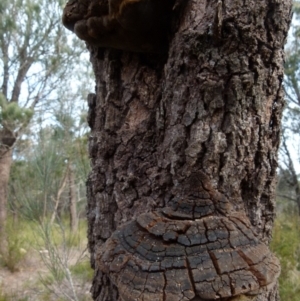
(134, 25)
(196, 248)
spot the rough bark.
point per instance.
(184, 156)
(5, 164)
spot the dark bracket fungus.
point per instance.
(134, 25)
(196, 248)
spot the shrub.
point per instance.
(286, 244)
(15, 250)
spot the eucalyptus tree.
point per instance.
(185, 131)
(70, 134)
(37, 58)
(39, 186)
(290, 150)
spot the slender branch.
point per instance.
(58, 195)
(20, 78)
(5, 59)
(286, 197)
(292, 82)
(289, 164)
(26, 61)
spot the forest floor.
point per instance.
(33, 281)
(22, 282)
(58, 271)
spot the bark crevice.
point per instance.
(210, 108)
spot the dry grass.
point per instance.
(45, 263)
(286, 244)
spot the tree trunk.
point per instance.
(72, 201)
(5, 165)
(57, 202)
(184, 157)
(290, 175)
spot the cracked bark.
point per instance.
(184, 157)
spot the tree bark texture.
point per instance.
(184, 158)
(5, 165)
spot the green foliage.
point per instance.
(6, 297)
(16, 248)
(76, 239)
(3, 296)
(51, 242)
(56, 239)
(25, 236)
(11, 114)
(289, 153)
(37, 57)
(56, 275)
(286, 244)
(297, 7)
(37, 178)
(2, 101)
(83, 270)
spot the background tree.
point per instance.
(289, 188)
(40, 181)
(184, 151)
(35, 60)
(71, 131)
(39, 200)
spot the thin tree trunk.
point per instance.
(298, 198)
(5, 166)
(72, 201)
(58, 195)
(184, 157)
(292, 178)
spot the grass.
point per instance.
(16, 247)
(83, 270)
(61, 253)
(25, 235)
(286, 245)
(59, 233)
(12, 297)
